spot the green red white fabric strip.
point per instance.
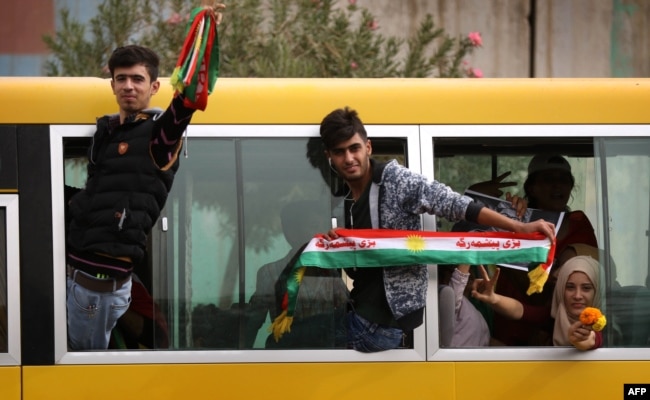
(197, 67)
(363, 248)
(398, 248)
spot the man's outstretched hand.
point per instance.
(216, 9)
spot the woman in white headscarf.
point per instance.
(576, 289)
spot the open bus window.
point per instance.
(463, 162)
(246, 206)
(611, 188)
(239, 211)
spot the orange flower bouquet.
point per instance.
(593, 317)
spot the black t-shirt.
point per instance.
(368, 294)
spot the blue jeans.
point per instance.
(368, 337)
(93, 315)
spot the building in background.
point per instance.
(22, 26)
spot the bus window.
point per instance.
(625, 164)
(246, 206)
(462, 162)
(230, 233)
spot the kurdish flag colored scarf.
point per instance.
(361, 248)
(197, 67)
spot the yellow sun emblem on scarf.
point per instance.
(415, 243)
(300, 272)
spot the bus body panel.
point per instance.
(11, 382)
(379, 101)
(414, 380)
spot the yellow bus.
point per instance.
(254, 154)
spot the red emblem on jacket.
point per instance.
(122, 148)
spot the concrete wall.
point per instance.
(541, 38)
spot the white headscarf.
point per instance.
(563, 320)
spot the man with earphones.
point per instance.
(387, 303)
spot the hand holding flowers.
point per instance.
(593, 317)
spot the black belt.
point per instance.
(96, 284)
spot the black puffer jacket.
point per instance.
(124, 193)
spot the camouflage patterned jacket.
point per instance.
(397, 198)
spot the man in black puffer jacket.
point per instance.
(131, 165)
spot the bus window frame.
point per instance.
(428, 133)
(58, 133)
(13, 355)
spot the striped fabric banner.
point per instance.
(362, 248)
(197, 68)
